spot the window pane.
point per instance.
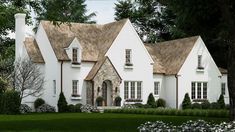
(132, 90)
(199, 88)
(139, 90)
(223, 85)
(128, 56)
(156, 88)
(75, 87)
(126, 90)
(75, 55)
(204, 90)
(193, 91)
(54, 86)
(199, 60)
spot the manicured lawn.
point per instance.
(86, 122)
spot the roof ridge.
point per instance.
(179, 39)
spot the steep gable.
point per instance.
(169, 56)
(33, 50)
(94, 39)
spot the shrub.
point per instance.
(215, 105)
(99, 101)
(45, 108)
(151, 101)
(186, 104)
(77, 107)
(118, 100)
(220, 101)
(88, 108)
(205, 104)
(71, 108)
(62, 103)
(139, 105)
(227, 106)
(38, 102)
(10, 102)
(129, 106)
(196, 106)
(161, 103)
(24, 108)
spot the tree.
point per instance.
(151, 101)
(62, 103)
(27, 78)
(152, 21)
(64, 11)
(220, 101)
(186, 104)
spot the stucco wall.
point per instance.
(142, 70)
(189, 73)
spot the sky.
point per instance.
(104, 10)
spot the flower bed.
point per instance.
(189, 126)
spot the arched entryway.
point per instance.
(107, 92)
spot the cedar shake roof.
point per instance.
(94, 39)
(169, 56)
(33, 50)
(223, 71)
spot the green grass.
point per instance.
(87, 122)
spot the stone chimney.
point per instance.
(19, 34)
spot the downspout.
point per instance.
(177, 87)
(61, 76)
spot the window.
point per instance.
(199, 63)
(54, 87)
(128, 57)
(75, 55)
(75, 88)
(156, 88)
(223, 85)
(204, 90)
(126, 90)
(199, 90)
(134, 88)
(193, 91)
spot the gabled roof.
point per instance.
(169, 56)
(96, 68)
(33, 50)
(95, 39)
(223, 71)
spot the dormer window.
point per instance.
(75, 56)
(199, 62)
(128, 57)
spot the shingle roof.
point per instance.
(94, 39)
(169, 56)
(33, 50)
(223, 71)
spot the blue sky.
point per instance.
(104, 10)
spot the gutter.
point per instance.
(177, 89)
(61, 76)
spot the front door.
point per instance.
(104, 93)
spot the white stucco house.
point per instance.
(86, 61)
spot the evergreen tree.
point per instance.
(186, 104)
(221, 102)
(62, 103)
(64, 11)
(151, 101)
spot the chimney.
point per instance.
(19, 34)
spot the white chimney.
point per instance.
(19, 34)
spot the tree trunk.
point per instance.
(231, 80)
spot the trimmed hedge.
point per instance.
(172, 112)
(10, 102)
(38, 102)
(62, 103)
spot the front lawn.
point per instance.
(87, 122)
